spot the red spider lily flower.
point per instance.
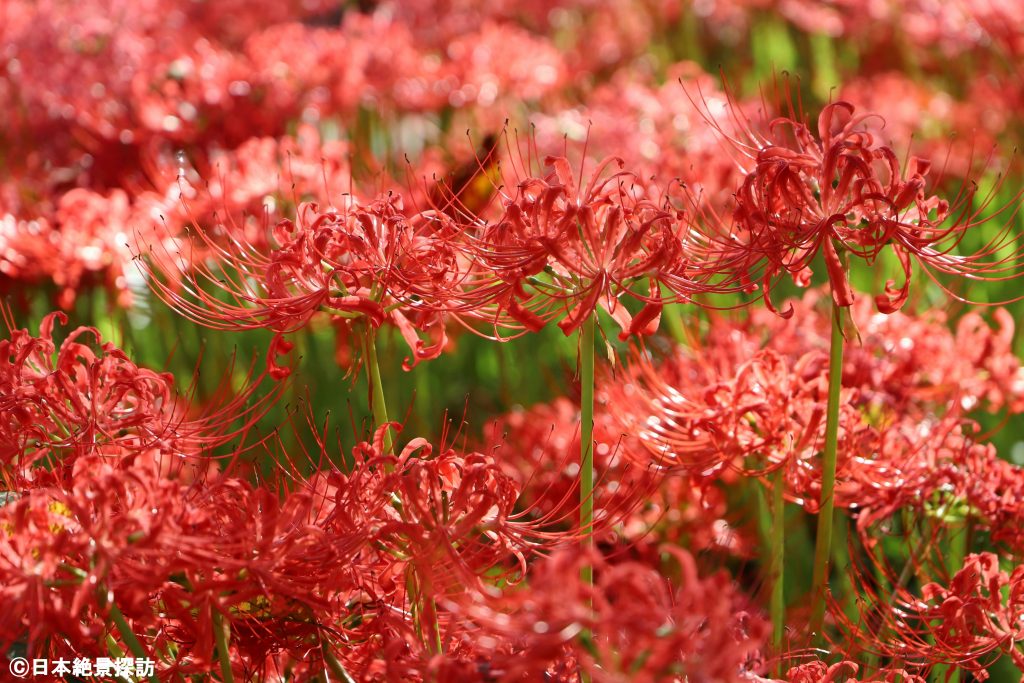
(72, 395)
(842, 672)
(562, 247)
(263, 564)
(967, 621)
(932, 473)
(539, 447)
(839, 192)
(938, 125)
(652, 125)
(79, 244)
(701, 414)
(370, 262)
(459, 513)
(413, 530)
(94, 239)
(915, 469)
(630, 625)
(66, 552)
(904, 362)
(735, 404)
(277, 568)
(86, 396)
(81, 238)
(262, 176)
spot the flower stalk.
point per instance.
(222, 638)
(777, 604)
(334, 665)
(377, 402)
(129, 638)
(425, 612)
(587, 334)
(823, 541)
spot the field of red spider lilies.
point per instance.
(570, 340)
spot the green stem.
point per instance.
(128, 636)
(335, 666)
(424, 612)
(956, 552)
(427, 609)
(587, 442)
(222, 635)
(777, 605)
(114, 649)
(823, 543)
(377, 403)
(430, 617)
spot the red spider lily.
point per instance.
(700, 414)
(413, 530)
(368, 262)
(173, 555)
(967, 621)
(557, 247)
(842, 672)
(562, 247)
(732, 404)
(931, 477)
(652, 125)
(80, 243)
(65, 553)
(116, 82)
(630, 625)
(70, 395)
(539, 447)
(459, 513)
(904, 361)
(926, 116)
(841, 193)
(623, 32)
(94, 240)
(86, 396)
(266, 565)
(262, 176)
(82, 240)
(914, 469)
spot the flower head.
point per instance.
(837, 192)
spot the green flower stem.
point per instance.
(777, 605)
(956, 551)
(427, 609)
(335, 666)
(424, 612)
(377, 403)
(427, 615)
(116, 652)
(587, 441)
(823, 543)
(128, 636)
(222, 636)
(430, 617)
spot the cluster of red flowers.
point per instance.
(108, 526)
(301, 169)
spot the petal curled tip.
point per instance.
(279, 346)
